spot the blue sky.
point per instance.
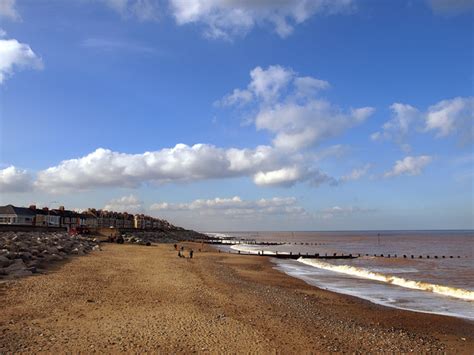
(295, 115)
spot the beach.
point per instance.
(145, 298)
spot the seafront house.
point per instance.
(10, 214)
(91, 219)
(46, 217)
(139, 221)
(69, 219)
(128, 220)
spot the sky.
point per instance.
(242, 115)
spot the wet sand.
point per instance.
(137, 298)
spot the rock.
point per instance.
(54, 257)
(17, 264)
(18, 268)
(53, 250)
(4, 261)
(25, 256)
(33, 263)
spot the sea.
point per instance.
(427, 271)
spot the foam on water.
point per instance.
(394, 280)
(250, 249)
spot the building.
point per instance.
(10, 214)
(46, 217)
(91, 219)
(69, 219)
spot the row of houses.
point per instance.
(90, 219)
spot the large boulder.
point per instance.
(4, 261)
(18, 268)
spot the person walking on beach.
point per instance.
(191, 252)
(179, 254)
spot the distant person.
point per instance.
(175, 247)
(179, 253)
(191, 252)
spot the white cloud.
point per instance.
(398, 127)
(298, 126)
(130, 204)
(8, 10)
(229, 18)
(237, 97)
(287, 107)
(409, 166)
(284, 176)
(15, 56)
(267, 84)
(104, 167)
(288, 176)
(451, 7)
(309, 86)
(455, 116)
(13, 179)
(235, 207)
(143, 10)
(356, 173)
(447, 117)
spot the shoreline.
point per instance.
(281, 267)
(134, 298)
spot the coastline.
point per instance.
(136, 298)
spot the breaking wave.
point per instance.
(394, 280)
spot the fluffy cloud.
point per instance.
(298, 126)
(409, 166)
(225, 19)
(451, 117)
(15, 56)
(398, 127)
(8, 10)
(104, 167)
(455, 116)
(282, 176)
(13, 179)
(287, 107)
(235, 207)
(143, 10)
(288, 176)
(356, 174)
(129, 204)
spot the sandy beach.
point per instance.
(138, 298)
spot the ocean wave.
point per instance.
(394, 280)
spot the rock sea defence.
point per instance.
(26, 253)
